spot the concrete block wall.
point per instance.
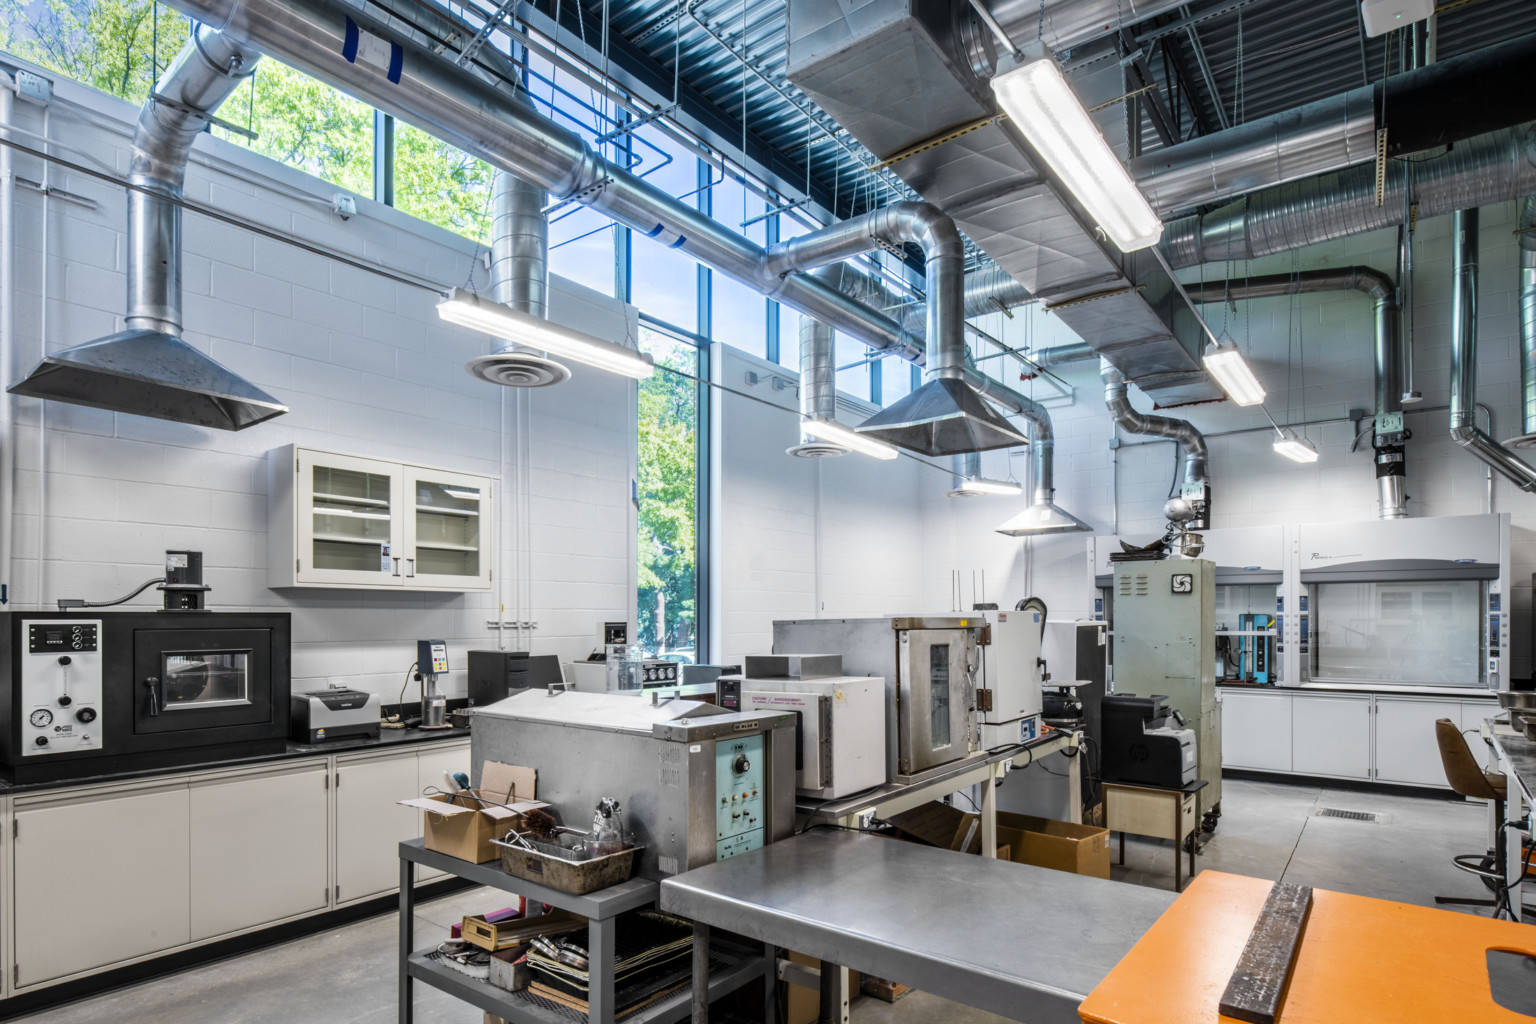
(1330, 343)
(365, 366)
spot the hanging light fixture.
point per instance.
(831, 430)
(1294, 447)
(1224, 362)
(465, 308)
(976, 486)
(1032, 91)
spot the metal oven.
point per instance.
(114, 691)
(936, 665)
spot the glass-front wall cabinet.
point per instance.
(1414, 633)
(343, 521)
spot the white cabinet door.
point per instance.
(259, 851)
(1331, 735)
(430, 765)
(1406, 750)
(1255, 730)
(370, 824)
(99, 880)
(350, 520)
(447, 538)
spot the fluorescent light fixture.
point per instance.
(1037, 99)
(467, 309)
(830, 430)
(1382, 16)
(976, 485)
(1224, 362)
(1297, 449)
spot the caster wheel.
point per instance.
(1208, 823)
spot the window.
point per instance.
(442, 184)
(739, 314)
(852, 360)
(664, 281)
(103, 44)
(669, 497)
(1418, 633)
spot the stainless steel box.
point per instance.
(696, 784)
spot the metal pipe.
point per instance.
(1464, 428)
(1060, 24)
(1468, 95)
(1391, 467)
(895, 224)
(1526, 227)
(209, 67)
(1191, 442)
(7, 337)
(430, 92)
(519, 246)
(1488, 169)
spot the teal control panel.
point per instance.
(740, 795)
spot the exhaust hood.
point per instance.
(1043, 518)
(150, 373)
(945, 416)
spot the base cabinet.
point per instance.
(1256, 730)
(258, 849)
(1406, 749)
(1331, 735)
(99, 880)
(370, 824)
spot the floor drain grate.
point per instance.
(1334, 812)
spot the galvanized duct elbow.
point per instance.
(1464, 429)
(1527, 301)
(147, 369)
(1488, 169)
(1191, 442)
(520, 279)
(1391, 465)
(1468, 95)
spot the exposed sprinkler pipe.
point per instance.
(1390, 466)
(1464, 428)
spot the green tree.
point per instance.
(442, 184)
(668, 496)
(115, 45)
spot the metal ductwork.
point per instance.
(818, 387)
(1489, 169)
(1464, 428)
(1190, 441)
(898, 75)
(945, 416)
(147, 369)
(520, 279)
(1043, 516)
(1391, 467)
(431, 92)
(1443, 103)
(1527, 300)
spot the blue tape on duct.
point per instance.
(654, 231)
(678, 244)
(396, 62)
(349, 47)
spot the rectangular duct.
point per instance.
(897, 74)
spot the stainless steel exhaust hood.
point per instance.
(150, 373)
(147, 369)
(945, 416)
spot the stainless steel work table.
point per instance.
(1517, 760)
(1024, 942)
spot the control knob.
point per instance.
(741, 765)
(41, 741)
(66, 700)
(86, 715)
(64, 659)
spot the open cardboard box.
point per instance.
(463, 824)
(1080, 849)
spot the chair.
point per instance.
(1468, 779)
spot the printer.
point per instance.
(334, 713)
(1142, 747)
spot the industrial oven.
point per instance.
(93, 693)
(695, 783)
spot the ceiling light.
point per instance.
(1224, 362)
(1382, 16)
(1037, 99)
(976, 485)
(1297, 449)
(831, 430)
(467, 309)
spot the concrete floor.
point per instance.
(1268, 830)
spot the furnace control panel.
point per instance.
(61, 687)
(741, 796)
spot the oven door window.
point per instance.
(205, 679)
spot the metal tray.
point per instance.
(560, 868)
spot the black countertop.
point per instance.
(388, 740)
(1380, 689)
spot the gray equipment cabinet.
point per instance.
(1165, 625)
(734, 966)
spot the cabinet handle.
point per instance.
(410, 567)
(153, 682)
(397, 568)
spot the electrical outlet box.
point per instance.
(34, 87)
(344, 205)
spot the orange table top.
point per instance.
(1361, 961)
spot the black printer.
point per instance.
(1141, 747)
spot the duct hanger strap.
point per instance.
(579, 196)
(182, 108)
(1051, 307)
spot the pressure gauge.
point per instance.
(41, 718)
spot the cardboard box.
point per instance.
(939, 824)
(803, 1005)
(1080, 849)
(462, 825)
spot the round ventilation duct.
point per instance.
(516, 369)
